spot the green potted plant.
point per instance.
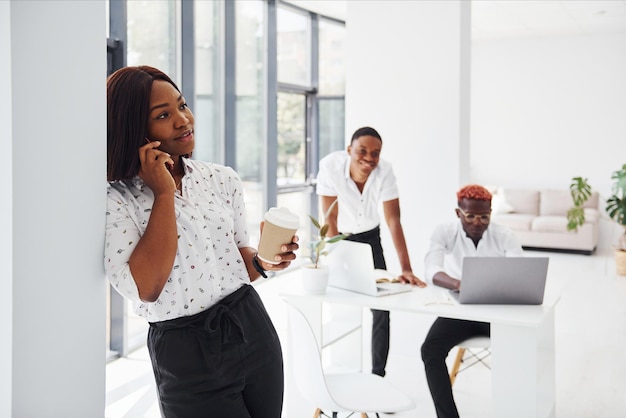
(616, 209)
(315, 275)
(580, 191)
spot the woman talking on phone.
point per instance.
(177, 246)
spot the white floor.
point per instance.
(590, 340)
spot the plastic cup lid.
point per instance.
(283, 217)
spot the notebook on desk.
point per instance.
(503, 280)
(352, 268)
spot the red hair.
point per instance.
(473, 191)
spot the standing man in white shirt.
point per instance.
(359, 180)
(471, 236)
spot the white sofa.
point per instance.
(539, 219)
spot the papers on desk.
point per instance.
(384, 276)
(439, 296)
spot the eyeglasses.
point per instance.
(471, 217)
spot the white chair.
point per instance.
(481, 343)
(342, 392)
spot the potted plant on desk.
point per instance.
(315, 275)
(616, 209)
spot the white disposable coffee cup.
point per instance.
(280, 226)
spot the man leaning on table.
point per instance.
(471, 236)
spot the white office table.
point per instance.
(522, 340)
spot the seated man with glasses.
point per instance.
(471, 236)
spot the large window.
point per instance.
(331, 120)
(292, 139)
(152, 38)
(332, 87)
(332, 71)
(153, 35)
(250, 108)
(294, 47)
(297, 76)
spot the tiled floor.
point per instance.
(590, 340)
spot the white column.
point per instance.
(56, 187)
(408, 73)
(6, 258)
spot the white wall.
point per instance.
(546, 110)
(58, 108)
(6, 213)
(407, 76)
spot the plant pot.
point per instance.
(314, 280)
(620, 262)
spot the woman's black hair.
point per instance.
(128, 104)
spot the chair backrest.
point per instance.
(306, 360)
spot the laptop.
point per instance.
(351, 267)
(503, 280)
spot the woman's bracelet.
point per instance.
(257, 266)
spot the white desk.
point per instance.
(522, 340)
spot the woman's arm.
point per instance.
(152, 259)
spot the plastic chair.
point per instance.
(341, 392)
(483, 343)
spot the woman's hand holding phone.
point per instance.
(156, 168)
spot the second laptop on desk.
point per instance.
(503, 280)
(352, 268)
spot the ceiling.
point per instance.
(540, 18)
(509, 19)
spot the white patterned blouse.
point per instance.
(210, 215)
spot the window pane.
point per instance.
(250, 103)
(152, 40)
(208, 111)
(294, 47)
(332, 72)
(291, 110)
(152, 35)
(331, 126)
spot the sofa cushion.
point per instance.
(592, 215)
(498, 201)
(515, 221)
(558, 202)
(555, 202)
(592, 202)
(523, 200)
(549, 224)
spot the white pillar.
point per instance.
(408, 76)
(53, 176)
(6, 236)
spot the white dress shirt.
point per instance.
(211, 223)
(449, 244)
(358, 212)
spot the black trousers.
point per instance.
(444, 334)
(380, 319)
(225, 362)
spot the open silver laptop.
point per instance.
(352, 268)
(503, 280)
